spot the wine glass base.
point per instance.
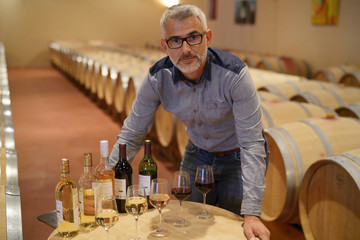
(183, 223)
(160, 233)
(205, 216)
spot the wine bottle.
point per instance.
(147, 170)
(105, 176)
(88, 192)
(123, 178)
(67, 203)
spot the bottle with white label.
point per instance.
(123, 178)
(147, 170)
(105, 177)
(89, 190)
(67, 203)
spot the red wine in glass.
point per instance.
(181, 193)
(204, 187)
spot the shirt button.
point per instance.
(195, 111)
(194, 89)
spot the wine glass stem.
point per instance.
(181, 211)
(160, 219)
(136, 230)
(107, 234)
(204, 203)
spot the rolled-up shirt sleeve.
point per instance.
(138, 122)
(249, 132)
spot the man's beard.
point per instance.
(191, 67)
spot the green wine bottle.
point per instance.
(147, 170)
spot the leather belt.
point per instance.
(226, 152)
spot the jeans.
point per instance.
(228, 189)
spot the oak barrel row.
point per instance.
(10, 205)
(300, 134)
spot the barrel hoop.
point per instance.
(356, 75)
(267, 116)
(353, 108)
(297, 90)
(290, 172)
(262, 79)
(275, 89)
(348, 166)
(305, 109)
(322, 136)
(330, 76)
(338, 98)
(352, 157)
(309, 96)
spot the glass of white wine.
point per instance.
(106, 212)
(136, 205)
(159, 198)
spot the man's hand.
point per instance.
(253, 227)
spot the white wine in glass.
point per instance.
(106, 212)
(204, 182)
(136, 205)
(159, 198)
(181, 190)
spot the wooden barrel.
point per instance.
(329, 202)
(331, 98)
(352, 110)
(268, 96)
(181, 136)
(94, 77)
(296, 66)
(120, 90)
(89, 74)
(100, 82)
(334, 74)
(165, 126)
(263, 78)
(278, 112)
(293, 148)
(291, 88)
(109, 89)
(351, 79)
(272, 64)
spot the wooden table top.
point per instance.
(223, 225)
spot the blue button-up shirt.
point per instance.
(221, 112)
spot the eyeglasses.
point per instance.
(192, 40)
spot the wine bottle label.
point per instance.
(97, 190)
(59, 211)
(106, 188)
(145, 181)
(76, 207)
(120, 188)
(81, 201)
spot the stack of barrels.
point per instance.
(313, 174)
(10, 205)
(274, 63)
(314, 163)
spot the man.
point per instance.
(212, 92)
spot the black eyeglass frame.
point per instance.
(185, 39)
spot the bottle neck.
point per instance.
(65, 175)
(147, 151)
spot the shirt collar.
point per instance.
(206, 75)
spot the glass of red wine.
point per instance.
(204, 182)
(159, 198)
(181, 190)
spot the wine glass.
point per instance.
(204, 182)
(181, 189)
(159, 198)
(106, 212)
(136, 204)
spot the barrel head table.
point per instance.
(223, 225)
